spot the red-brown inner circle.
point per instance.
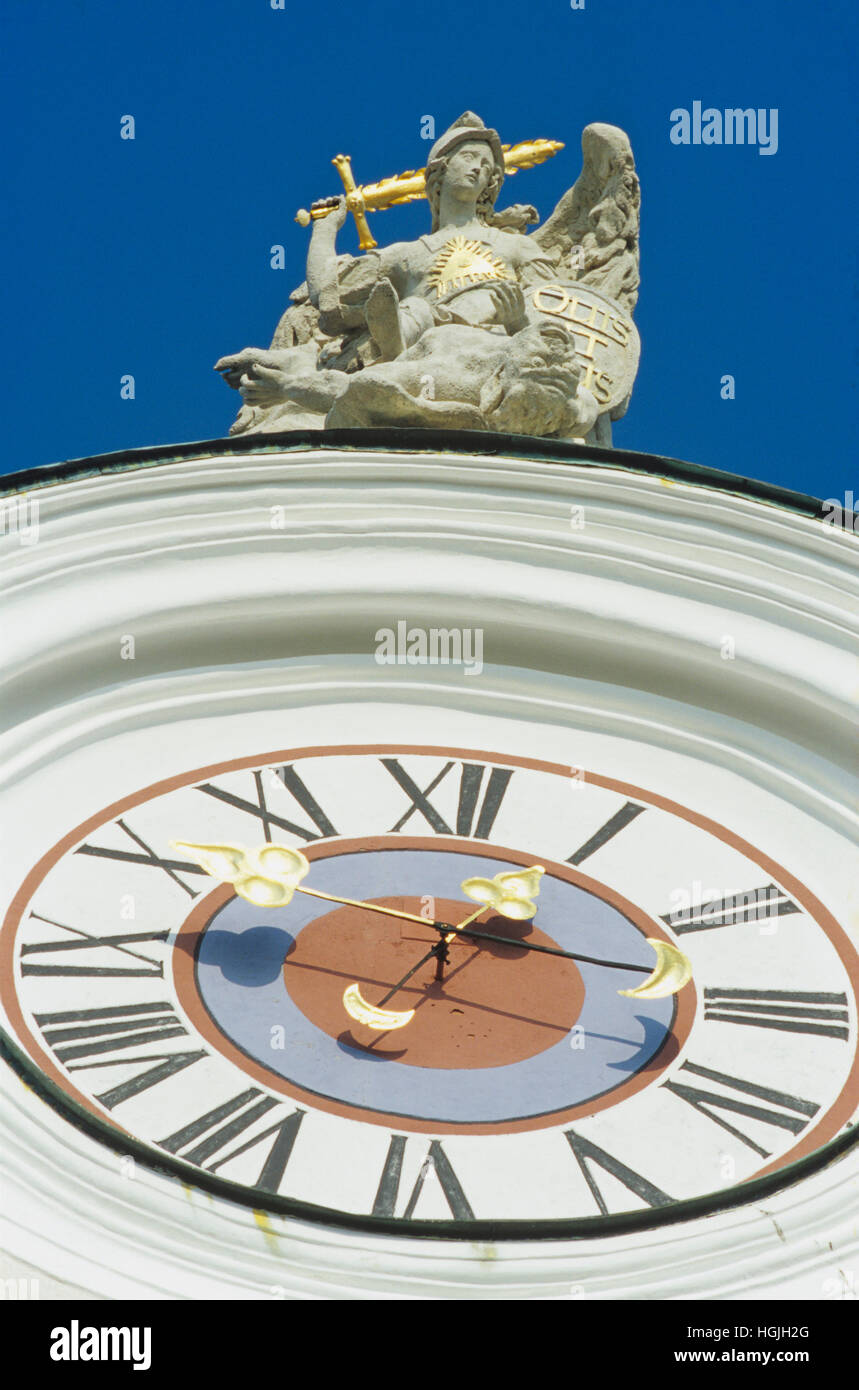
(497, 1004)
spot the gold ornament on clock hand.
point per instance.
(507, 893)
(383, 1020)
(270, 875)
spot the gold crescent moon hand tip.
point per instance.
(671, 972)
(382, 1019)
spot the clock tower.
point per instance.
(427, 829)
(389, 679)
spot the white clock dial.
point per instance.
(662, 716)
(209, 1032)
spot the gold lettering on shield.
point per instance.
(592, 325)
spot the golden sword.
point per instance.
(408, 186)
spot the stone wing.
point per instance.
(593, 232)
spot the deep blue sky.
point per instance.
(151, 256)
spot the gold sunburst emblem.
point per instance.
(463, 261)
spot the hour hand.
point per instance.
(374, 1015)
(508, 893)
(371, 1015)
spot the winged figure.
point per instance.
(478, 324)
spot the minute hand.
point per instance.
(532, 946)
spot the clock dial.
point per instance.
(522, 1085)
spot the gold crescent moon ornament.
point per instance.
(381, 1019)
(671, 972)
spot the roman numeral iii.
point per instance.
(789, 1011)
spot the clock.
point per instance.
(521, 1086)
(330, 964)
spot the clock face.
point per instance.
(209, 1033)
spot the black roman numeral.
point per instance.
(753, 906)
(475, 814)
(207, 1135)
(106, 1033)
(791, 1107)
(790, 1011)
(85, 941)
(616, 823)
(586, 1153)
(260, 809)
(171, 867)
(437, 1160)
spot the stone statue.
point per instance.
(476, 325)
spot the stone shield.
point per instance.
(607, 340)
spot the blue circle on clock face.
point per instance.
(240, 979)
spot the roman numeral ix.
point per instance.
(120, 942)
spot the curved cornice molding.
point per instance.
(412, 442)
(238, 559)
